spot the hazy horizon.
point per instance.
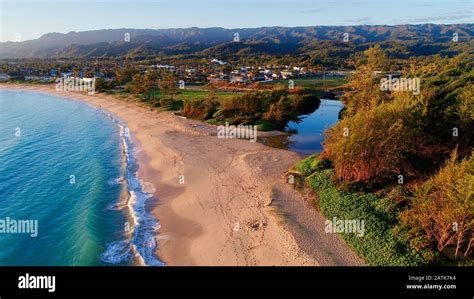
(29, 19)
(171, 28)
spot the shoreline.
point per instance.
(138, 238)
(222, 212)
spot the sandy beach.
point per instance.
(220, 201)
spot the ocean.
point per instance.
(69, 189)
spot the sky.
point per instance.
(29, 19)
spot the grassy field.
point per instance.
(185, 94)
(192, 94)
(314, 82)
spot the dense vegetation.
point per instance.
(383, 135)
(379, 245)
(442, 208)
(269, 109)
(412, 154)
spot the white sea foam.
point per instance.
(142, 244)
(116, 181)
(117, 252)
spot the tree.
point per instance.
(364, 83)
(136, 86)
(372, 146)
(442, 211)
(167, 84)
(125, 74)
(150, 84)
(381, 135)
(145, 85)
(100, 84)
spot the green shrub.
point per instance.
(386, 134)
(372, 147)
(212, 121)
(304, 166)
(311, 164)
(442, 211)
(200, 109)
(379, 245)
(164, 102)
(264, 126)
(276, 107)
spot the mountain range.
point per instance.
(219, 42)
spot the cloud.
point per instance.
(452, 18)
(362, 20)
(313, 10)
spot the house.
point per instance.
(26, 70)
(4, 77)
(39, 78)
(286, 74)
(216, 78)
(268, 78)
(239, 79)
(167, 67)
(219, 62)
(259, 77)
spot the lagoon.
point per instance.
(306, 135)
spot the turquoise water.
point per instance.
(62, 164)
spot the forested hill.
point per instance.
(316, 43)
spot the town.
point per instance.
(214, 71)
